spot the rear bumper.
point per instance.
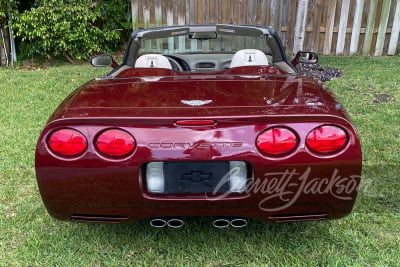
(280, 193)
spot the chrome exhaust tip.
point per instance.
(238, 222)
(175, 223)
(158, 223)
(221, 223)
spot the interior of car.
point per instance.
(205, 49)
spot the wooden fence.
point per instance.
(330, 27)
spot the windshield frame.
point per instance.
(135, 42)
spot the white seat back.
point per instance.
(152, 61)
(249, 57)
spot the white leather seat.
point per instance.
(249, 57)
(153, 61)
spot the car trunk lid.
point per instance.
(198, 96)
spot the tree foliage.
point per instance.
(3, 9)
(71, 29)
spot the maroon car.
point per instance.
(200, 120)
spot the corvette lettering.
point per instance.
(168, 145)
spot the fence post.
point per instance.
(394, 37)
(380, 41)
(275, 16)
(170, 21)
(3, 48)
(290, 27)
(344, 15)
(329, 27)
(252, 11)
(355, 35)
(370, 28)
(135, 14)
(316, 26)
(300, 28)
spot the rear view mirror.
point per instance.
(103, 61)
(203, 35)
(306, 57)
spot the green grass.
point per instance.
(369, 236)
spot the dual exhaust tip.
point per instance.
(217, 223)
(225, 222)
(162, 222)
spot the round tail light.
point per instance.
(115, 143)
(326, 139)
(67, 142)
(276, 141)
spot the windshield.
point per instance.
(206, 47)
(223, 43)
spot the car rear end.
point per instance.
(279, 168)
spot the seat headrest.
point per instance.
(249, 57)
(153, 61)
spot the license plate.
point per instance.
(196, 177)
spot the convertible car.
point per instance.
(200, 120)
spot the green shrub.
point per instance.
(3, 10)
(71, 29)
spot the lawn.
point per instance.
(369, 236)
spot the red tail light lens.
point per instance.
(277, 141)
(327, 139)
(67, 142)
(115, 143)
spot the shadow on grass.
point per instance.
(260, 240)
(348, 240)
(199, 236)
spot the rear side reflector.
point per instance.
(195, 122)
(115, 143)
(276, 141)
(67, 142)
(299, 217)
(98, 218)
(326, 139)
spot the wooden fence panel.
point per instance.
(394, 37)
(274, 11)
(338, 27)
(344, 15)
(382, 28)
(135, 14)
(5, 47)
(300, 29)
(284, 20)
(370, 27)
(316, 24)
(290, 26)
(355, 35)
(329, 27)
